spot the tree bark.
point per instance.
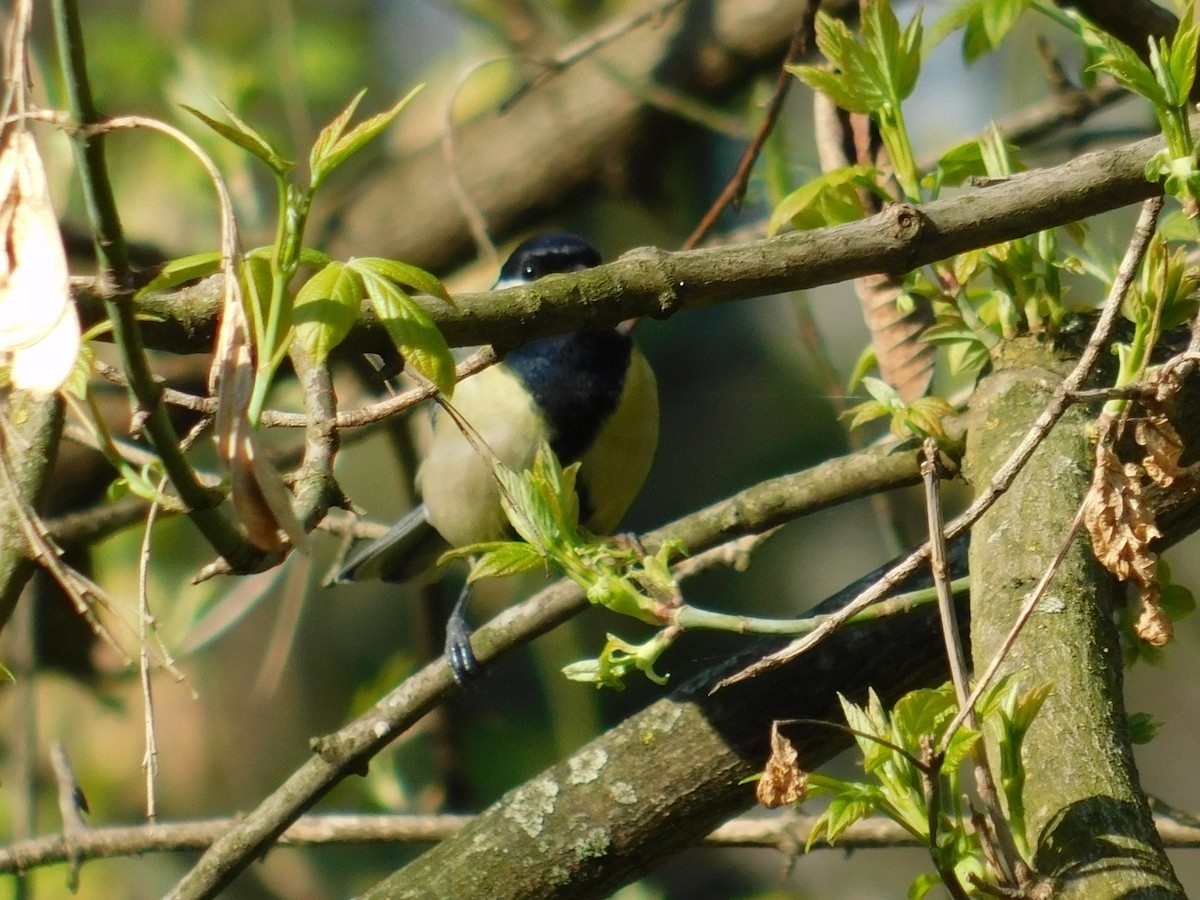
(1086, 817)
(664, 778)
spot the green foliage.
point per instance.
(1166, 82)
(245, 136)
(905, 772)
(982, 297)
(872, 76)
(334, 146)
(830, 199)
(322, 312)
(985, 24)
(1164, 297)
(1143, 727)
(922, 418)
(978, 298)
(1176, 600)
(543, 508)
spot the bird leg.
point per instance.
(464, 666)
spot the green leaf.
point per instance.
(344, 146)
(834, 86)
(831, 199)
(246, 137)
(182, 270)
(923, 884)
(1177, 601)
(1182, 65)
(867, 411)
(895, 56)
(1119, 61)
(858, 802)
(507, 558)
(923, 712)
(958, 164)
(993, 20)
(332, 133)
(1143, 727)
(960, 748)
(326, 308)
(404, 274)
(410, 328)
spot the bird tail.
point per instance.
(410, 548)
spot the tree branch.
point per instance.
(348, 752)
(655, 283)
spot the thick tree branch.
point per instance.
(348, 752)
(579, 129)
(655, 283)
(1090, 828)
(30, 441)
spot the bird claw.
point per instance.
(461, 659)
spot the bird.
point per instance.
(591, 395)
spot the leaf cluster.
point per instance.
(922, 791)
(321, 313)
(543, 508)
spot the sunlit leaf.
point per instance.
(831, 199)
(404, 274)
(346, 145)
(411, 329)
(246, 137)
(182, 270)
(326, 308)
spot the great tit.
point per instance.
(591, 395)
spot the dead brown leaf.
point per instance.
(783, 782)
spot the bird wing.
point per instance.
(409, 549)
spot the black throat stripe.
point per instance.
(576, 380)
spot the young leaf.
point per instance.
(344, 146)
(246, 137)
(410, 328)
(990, 24)
(402, 273)
(326, 308)
(332, 133)
(1119, 60)
(831, 199)
(895, 56)
(507, 558)
(1182, 65)
(182, 270)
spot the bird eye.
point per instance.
(530, 270)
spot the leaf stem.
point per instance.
(88, 147)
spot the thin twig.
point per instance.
(1140, 241)
(786, 834)
(586, 46)
(71, 804)
(1010, 869)
(735, 189)
(93, 173)
(941, 570)
(1003, 479)
(354, 418)
(150, 758)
